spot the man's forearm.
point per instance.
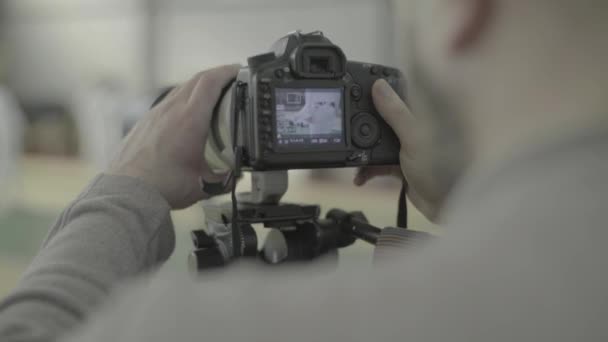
(117, 228)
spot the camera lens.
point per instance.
(218, 150)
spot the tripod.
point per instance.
(297, 231)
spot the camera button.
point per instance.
(375, 70)
(387, 72)
(356, 92)
(366, 130)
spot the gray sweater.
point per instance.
(524, 259)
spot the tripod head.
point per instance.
(297, 231)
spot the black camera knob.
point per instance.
(206, 258)
(365, 130)
(356, 92)
(279, 73)
(201, 239)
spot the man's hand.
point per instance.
(416, 168)
(365, 174)
(166, 148)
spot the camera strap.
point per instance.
(402, 211)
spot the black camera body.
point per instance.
(304, 106)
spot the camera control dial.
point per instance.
(365, 130)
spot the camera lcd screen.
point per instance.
(309, 116)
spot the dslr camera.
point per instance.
(302, 106)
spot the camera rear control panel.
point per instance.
(265, 123)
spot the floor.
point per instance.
(47, 185)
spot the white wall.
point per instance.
(200, 36)
(57, 58)
(57, 46)
(11, 147)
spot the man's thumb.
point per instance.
(394, 111)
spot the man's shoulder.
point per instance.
(542, 216)
(554, 186)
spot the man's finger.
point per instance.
(208, 85)
(188, 87)
(362, 176)
(365, 174)
(394, 111)
(166, 95)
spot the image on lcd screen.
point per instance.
(310, 116)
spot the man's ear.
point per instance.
(475, 18)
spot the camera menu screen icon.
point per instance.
(310, 116)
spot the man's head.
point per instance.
(496, 76)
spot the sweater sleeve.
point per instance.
(116, 229)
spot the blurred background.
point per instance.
(75, 75)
